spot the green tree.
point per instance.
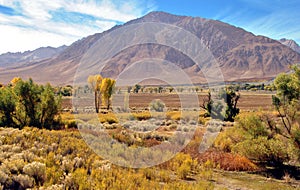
(95, 82)
(231, 98)
(160, 89)
(137, 88)
(49, 107)
(287, 104)
(214, 108)
(24, 103)
(28, 95)
(107, 90)
(7, 107)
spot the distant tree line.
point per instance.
(253, 87)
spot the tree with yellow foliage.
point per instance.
(95, 83)
(15, 80)
(107, 90)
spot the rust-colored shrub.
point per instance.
(228, 161)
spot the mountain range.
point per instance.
(241, 55)
(13, 60)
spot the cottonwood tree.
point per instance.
(107, 90)
(7, 107)
(95, 82)
(24, 103)
(48, 107)
(287, 104)
(28, 94)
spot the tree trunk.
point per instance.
(96, 102)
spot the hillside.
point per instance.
(240, 54)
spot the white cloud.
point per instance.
(35, 25)
(21, 39)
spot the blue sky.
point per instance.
(29, 24)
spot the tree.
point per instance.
(171, 89)
(107, 90)
(7, 107)
(231, 99)
(129, 89)
(215, 108)
(160, 89)
(287, 104)
(49, 107)
(137, 87)
(28, 95)
(24, 103)
(15, 80)
(95, 82)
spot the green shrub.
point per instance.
(252, 124)
(263, 149)
(157, 105)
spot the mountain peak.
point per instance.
(291, 44)
(160, 16)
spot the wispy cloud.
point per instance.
(34, 23)
(273, 18)
(277, 25)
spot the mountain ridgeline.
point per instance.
(241, 55)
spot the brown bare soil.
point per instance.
(249, 101)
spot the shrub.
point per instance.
(3, 177)
(77, 180)
(36, 170)
(149, 173)
(228, 138)
(164, 176)
(24, 180)
(174, 115)
(108, 118)
(157, 105)
(67, 166)
(227, 161)
(262, 149)
(206, 170)
(142, 116)
(183, 165)
(53, 175)
(252, 124)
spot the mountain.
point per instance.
(240, 54)
(291, 44)
(12, 60)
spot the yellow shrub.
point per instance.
(142, 116)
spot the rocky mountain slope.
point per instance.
(240, 54)
(12, 60)
(290, 43)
